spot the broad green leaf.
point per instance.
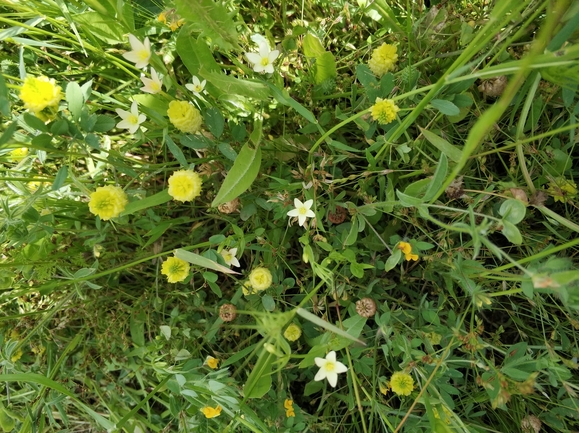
(212, 20)
(284, 98)
(438, 178)
(8, 133)
(326, 325)
(153, 106)
(147, 202)
(445, 107)
(174, 149)
(195, 53)
(393, 260)
(34, 122)
(511, 232)
(241, 176)
(137, 328)
(236, 86)
(106, 28)
(312, 46)
(74, 99)
(201, 261)
(166, 331)
(452, 152)
(259, 381)
(214, 121)
(60, 178)
(407, 200)
(513, 210)
(325, 67)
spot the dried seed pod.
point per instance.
(338, 216)
(229, 207)
(228, 312)
(366, 307)
(531, 424)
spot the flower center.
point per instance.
(132, 119)
(302, 211)
(330, 366)
(143, 54)
(264, 61)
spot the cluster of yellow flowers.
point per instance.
(407, 250)
(175, 269)
(108, 202)
(293, 332)
(184, 116)
(384, 110)
(41, 96)
(383, 59)
(401, 383)
(260, 279)
(289, 407)
(171, 19)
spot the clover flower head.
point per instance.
(175, 269)
(383, 59)
(41, 96)
(407, 250)
(18, 153)
(263, 60)
(184, 185)
(152, 85)
(329, 368)
(260, 279)
(292, 332)
(302, 211)
(131, 120)
(288, 405)
(197, 87)
(140, 53)
(184, 116)
(211, 412)
(401, 383)
(107, 202)
(384, 110)
(229, 257)
(212, 362)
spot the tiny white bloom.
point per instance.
(197, 87)
(229, 257)
(263, 61)
(140, 53)
(131, 119)
(302, 211)
(153, 84)
(329, 368)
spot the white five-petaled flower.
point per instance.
(153, 84)
(197, 87)
(302, 211)
(131, 119)
(329, 368)
(263, 61)
(229, 257)
(140, 53)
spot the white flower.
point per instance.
(131, 119)
(302, 211)
(329, 368)
(197, 87)
(229, 257)
(153, 84)
(140, 53)
(263, 61)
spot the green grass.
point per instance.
(476, 176)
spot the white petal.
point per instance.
(293, 213)
(332, 377)
(302, 220)
(340, 368)
(135, 108)
(235, 262)
(297, 203)
(269, 68)
(308, 203)
(264, 50)
(233, 251)
(273, 55)
(141, 118)
(253, 58)
(310, 214)
(320, 362)
(122, 113)
(190, 86)
(135, 43)
(258, 67)
(331, 356)
(320, 375)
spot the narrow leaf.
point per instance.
(332, 328)
(438, 178)
(452, 152)
(241, 176)
(147, 202)
(201, 261)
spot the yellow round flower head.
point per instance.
(260, 279)
(175, 269)
(212, 362)
(18, 154)
(401, 383)
(383, 59)
(185, 185)
(184, 116)
(107, 202)
(40, 93)
(292, 332)
(384, 110)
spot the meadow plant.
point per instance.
(211, 209)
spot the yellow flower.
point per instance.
(16, 355)
(108, 202)
(211, 412)
(562, 189)
(18, 154)
(175, 269)
(212, 362)
(40, 93)
(384, 111)
(289, 407)
(175, 24)
(383, 59)
(407, 250)
(162, 17)
(401, 383)
(292, 332)
(184, 116)
(184, 185)
(260, 279)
